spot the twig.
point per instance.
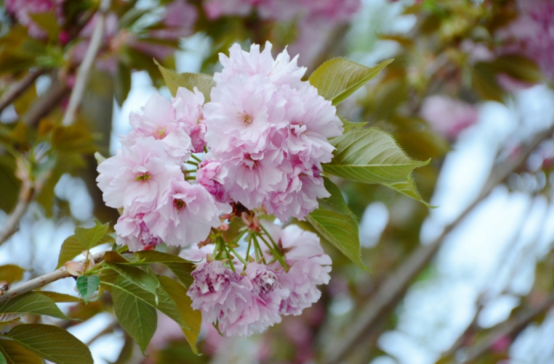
(57, 91)
(511, 327)
(84, 69)
(25, 197)
(108, 329)
(18, 88)
(41, 281)
(395, 286)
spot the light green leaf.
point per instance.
(51, 343)
(32, 302)
(179, 266)
(408, 188)
(11, 273)
(372, 156)
(348, 125)
(84, 239)
(3, 358)
(136, 276)
(87, 286)
(337, 224)
(202, 82)
(135, 316)
(339, 78)
(192, 318)
(14, 353)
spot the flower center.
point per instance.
(143, 177)
(160, 132)
(247, 119)
(179, 204)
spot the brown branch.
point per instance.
(35, 283)
(84, 69)
(511, 327)
(42, 107)
(25, 197)
(19, 88)
(395, 286)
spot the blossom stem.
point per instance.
(192, 163)
(257, 246)
(237, 255)
(276, 254)
(270, 237)
(196, 158)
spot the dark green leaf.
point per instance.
(337, 224)
(51, 343)
(48, 21)
(135, 316)
(179, 266)
(11, 273)
(339, 78)
(202, 82)
(192, 318)
(60, 297)
(84, 239)
(32, 302)
(17, 354)
(136, 276)
(87, 286)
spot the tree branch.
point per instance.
(84, 69)
(25, 197)
(394, 288)
(18, 88)
(6, 295)
(511, 327)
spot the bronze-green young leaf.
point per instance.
(32, 302)
(83, 239)
(14, 353)
(202, 82)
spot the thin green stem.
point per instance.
(276, 254)
(237, 255)
(192, 163)
(196, 158)
(257, 246)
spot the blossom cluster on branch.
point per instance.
(264, 135)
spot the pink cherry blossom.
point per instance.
(309, 267)
(280, 71)
(185, 214)
(158, 120)
(448, 117)
(22, 9)
(132, 231)
(211, 175)
(189, 112)
(137, 176)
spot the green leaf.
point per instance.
(13, 353)
(84, 239)
(135, 316)
(179, 266)
(339, 78)
(123, 83)
(201, 81)
(519, 67)
(32, 302)
(372, 156)
(136, 276)
(164, 304)
(11, 273)
(348, 125)
(3, 358)
(51, 343)
(192, 318)
(87, 286)
(337, 224)
(60, 297)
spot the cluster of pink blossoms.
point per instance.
(264, 136)
(267, 133)
(243, 303)
(146, 177)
